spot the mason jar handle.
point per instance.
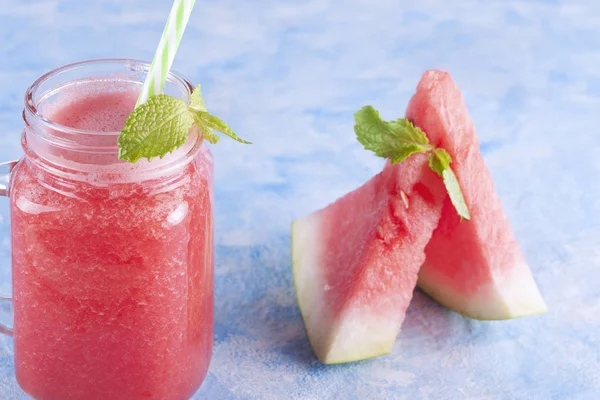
(5, 171)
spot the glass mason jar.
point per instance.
(112, 262)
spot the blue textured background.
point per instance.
(288, 75)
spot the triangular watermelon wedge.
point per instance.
(355, 262)
(473, 267)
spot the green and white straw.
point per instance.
(167, 47)
(160, 124)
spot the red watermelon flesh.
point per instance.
(355, 262)
(474, 267)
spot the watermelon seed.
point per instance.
(404, 198)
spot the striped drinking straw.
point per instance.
(167, 47)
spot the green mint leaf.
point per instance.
(162, 124)
(197, 101)
(395, 140)
(439, 161)
(398, 139)
(155, 128)
(210, 135)
(206, 120)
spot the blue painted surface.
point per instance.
(289, 75)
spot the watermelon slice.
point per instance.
(473, 267)
(355, 262)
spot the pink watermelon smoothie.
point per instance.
(113, 283)
(355, 262)
(475, 267)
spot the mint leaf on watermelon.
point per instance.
(439, 161)
(395, 140)
(399, 139)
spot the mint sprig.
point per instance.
(439, 161)
(399, 139)
(210, 122)
(161, 125)
(395, 140)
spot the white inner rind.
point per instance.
(357, 332)
(513, 294)
(308, 277)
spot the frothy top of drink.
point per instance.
(97, 109)
(95, 106)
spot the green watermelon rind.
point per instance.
(491, 304)
(326, 358)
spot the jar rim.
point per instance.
(132, 64)
(64, 150)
